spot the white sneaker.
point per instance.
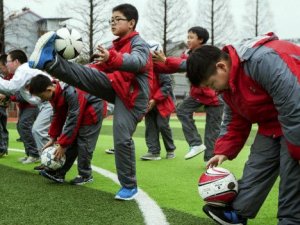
(195, 150)
(31, 159)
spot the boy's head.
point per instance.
(208, 66)
(3, 67)
(197, 36)
(124, 19)
(15, 58)
(42, 87)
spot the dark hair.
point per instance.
(129, 11)
(3, 59)
(201, 64)
(39, 84)
(19, 55)
(201, 33)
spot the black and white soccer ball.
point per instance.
(47, 159)
(68, 43)
(154, 46)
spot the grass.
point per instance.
(171, 183)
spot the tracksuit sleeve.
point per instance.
(280, 80)
(136, 61)
(76, 104)
(165, 89)
(233, 135)
(172, 65)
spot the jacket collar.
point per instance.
(120, 42)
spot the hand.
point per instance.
(216, 160)
(151, 104)
(59, 152)
(159, 56)
(102, 54)
(48, 144)
(2, 97)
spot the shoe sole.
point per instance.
(117, 197)
(109, 152)
(217, 219)
(48, 176)
(150, 159)
(36, 54)
(171, 157)
(82, 183)
(192, 156)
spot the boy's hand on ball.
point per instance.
(103, 54)
(59, 152)
(48, 144)
(216, 160)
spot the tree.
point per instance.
(90, 18)
(217, 19)
(258, 18)
(167, 21)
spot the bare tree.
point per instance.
(90, 18)
(167, 21)
(258, 18)
(217, 19)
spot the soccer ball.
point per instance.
(47, 159)
(68, 43)
(154, 46)
(217, 186)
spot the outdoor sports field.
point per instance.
(168, 188)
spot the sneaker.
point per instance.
(2, 154)
(19, 140)
(52, 175)
(224, 216)
(110, 151)
(195, 150)
(31, 159)
(44, 51)
(39, 168)
(22, 159)
(170, 155)
(126, 193)
(151, 156)
(80, 180)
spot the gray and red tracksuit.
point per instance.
(126, 80)
(76, 125)
(199, 96)
(157, 119)
(264, 90)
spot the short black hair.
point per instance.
(19, 55)
(201, 33)
(3, 59)
(39, 84)
(201, 64)
(129, 11)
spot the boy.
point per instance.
(160, 107)
(199, 96)
(127, 83)
(259, 80)
(75, 126)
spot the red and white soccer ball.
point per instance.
(68, 43)
(218, 186)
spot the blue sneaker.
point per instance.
(44, 51)
(126, 193)
(224, 216)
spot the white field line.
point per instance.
(153, 215)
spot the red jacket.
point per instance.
(264, 89)
(72, 108)
(163, 94)
(129, 60)
(203, 95)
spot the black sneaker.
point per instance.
(80, 180)
(39, 168)
(224, 216)
(52, 175)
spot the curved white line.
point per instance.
(153, 215)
